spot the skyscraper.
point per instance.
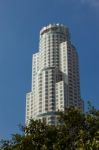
(55, 76)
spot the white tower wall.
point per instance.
(55, 76)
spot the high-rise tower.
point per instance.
(55, 76)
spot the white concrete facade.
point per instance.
(55, 76)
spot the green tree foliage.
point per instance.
(75, 131)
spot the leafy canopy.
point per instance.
(76, 131)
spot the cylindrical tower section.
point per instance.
(50, 39)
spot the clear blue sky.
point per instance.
(20, 23)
